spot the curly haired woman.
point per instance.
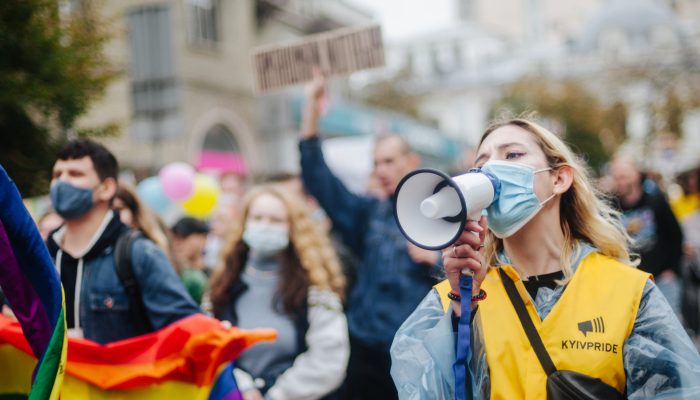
(279, 272)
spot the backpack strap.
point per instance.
(125, 272)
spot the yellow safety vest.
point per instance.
(685, 205)
(584, 332)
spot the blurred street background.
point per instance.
(164, 81)
(176, 90)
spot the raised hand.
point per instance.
(315, 94)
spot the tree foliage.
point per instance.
(673, 78)
(581, 119)
(52, 67)
(388, 95)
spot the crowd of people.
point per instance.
(362, 313)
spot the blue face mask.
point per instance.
(265, 239)
(517, 203)
(70, 202)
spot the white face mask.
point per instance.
(517, 202)
(265, 239)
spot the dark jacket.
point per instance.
(389, 284)
(656, 235)
(320, 354)
(300, 320)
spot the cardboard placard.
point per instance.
(338, 52)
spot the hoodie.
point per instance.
(71, 269)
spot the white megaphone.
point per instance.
(432, 208)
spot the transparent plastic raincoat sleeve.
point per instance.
(660, 360)
(423, 352)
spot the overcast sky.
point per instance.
(402, 19)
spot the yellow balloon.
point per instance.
(204, 196)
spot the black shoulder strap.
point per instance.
(125, 271)
(526, 321)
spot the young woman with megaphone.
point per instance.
(559, 310)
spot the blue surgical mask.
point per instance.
(70, 202)
(265, 239)
(517, 202)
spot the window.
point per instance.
(203, 22)
(151, 70)
(219, 137)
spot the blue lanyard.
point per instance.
(463, 386)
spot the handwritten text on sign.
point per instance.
(336, 53)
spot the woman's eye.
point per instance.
(513, 155)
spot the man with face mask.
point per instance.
(83, 185)
(393, 275)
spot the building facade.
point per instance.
(186, 90)
(460, 72)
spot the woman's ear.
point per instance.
(563, 179)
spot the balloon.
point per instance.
(203, 200)
(150, 191)
(178, 180)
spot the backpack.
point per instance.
(125, 272)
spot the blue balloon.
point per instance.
(151, 192)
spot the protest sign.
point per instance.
(336, 53)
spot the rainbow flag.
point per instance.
(189, 359)
(31, 285)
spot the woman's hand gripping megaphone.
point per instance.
(466, 256)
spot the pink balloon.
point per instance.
(177, 180)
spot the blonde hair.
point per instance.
(309, 249)
(585, 214)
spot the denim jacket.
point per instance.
(389, 283)
(103, 306)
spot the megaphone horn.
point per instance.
(431, 208)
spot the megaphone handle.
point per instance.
(459, 368)
(467, 271)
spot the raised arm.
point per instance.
(315, 95)
(347, 210)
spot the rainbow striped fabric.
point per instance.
(185, 360)
(31, 285)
